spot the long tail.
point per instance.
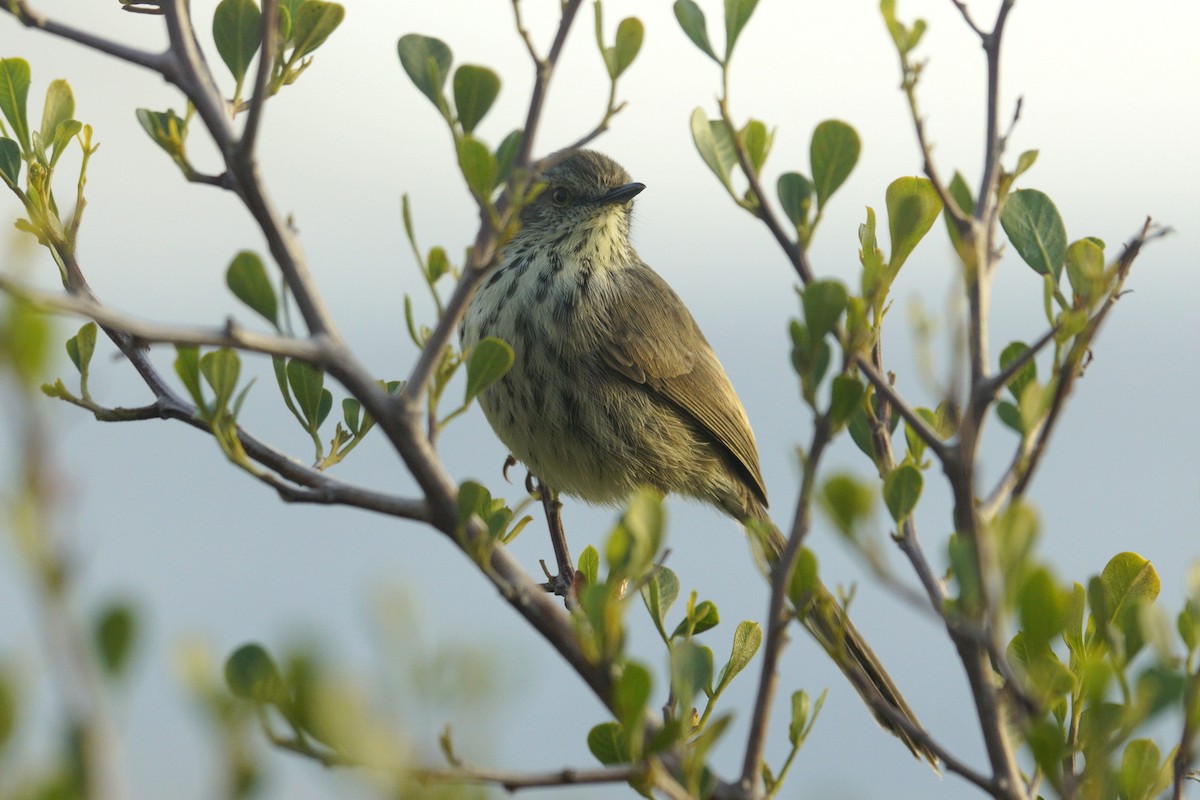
(829, 624)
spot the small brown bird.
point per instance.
(614, 387)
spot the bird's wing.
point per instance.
(653, 340)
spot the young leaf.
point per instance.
(703, 618)
(747, 638)
(1036, 231)
(427, 62)
(307, 385)
(187, 367)
(488, 363)
(312, 23)
(352, 414)
(237, 31)
(756, 138)
(824, 301)
(10, 161)
(478, 166)
(901, 490)
(913, 204)
(631, 692)
(795, 195)
(630, 34)
(833, 153)
(659, 594)
(251, 674)
(589, 565)
(81, 346)
(14, 91)
(114, 634)
(1085, 270)
(475, 89)
(1129, 581)
(506, 154)
(846, 500)
(960, 192)
(715, 146)
(221, 369)
(845, 395)
(691, 19)
(609, 743)
(691, 670)
(1025, 375)
(59, 108)
(737, 14)
(247, 279)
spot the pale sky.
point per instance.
(1110, 101)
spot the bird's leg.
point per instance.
(562, 583)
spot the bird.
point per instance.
(614, 387)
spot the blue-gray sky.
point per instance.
(155, 513)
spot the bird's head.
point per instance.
(586, 195)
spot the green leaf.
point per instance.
(630, 34)
(475, 89)
(437, 264)
(312, 23)
(10, 161)
(237, 30)
(747, 638)
(847, 501)
(824, 301)
(1142, 776)
(715, 146)
(1036, 231)
(14, 91)
(805, 582)
(833, 154)
(1025, 375)
(691, 670)
(589, 565)
(737, 14)
(427, 62)
(845, 395)
(874, 281)
(59, 108)
(703, 618)
(1085, 270)
(221, 369)
(247, 279)
(960, 192)
(802, 719)
(1129, 581)
(489, 361)
(913, 204)
(631, 692)
(609, 743)
(506, 154)
(114, 634)
(1009, 415)
(307, 384)
(901, 490)
(187, 367)
(691, 19)
(757, 139)
(63, 134)
(352, 414)
(8, 706)
(795, 196)
(1024, 162)
(1043, 606)
(251, 674)
(659, 594)
(81, 346)
(478, 165)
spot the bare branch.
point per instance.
(159, 62)
(262, 78)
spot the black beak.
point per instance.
(621, 194)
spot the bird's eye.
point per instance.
(561, 195)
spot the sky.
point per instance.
(155, 514)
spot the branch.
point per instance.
(516, 781)
(268, 48)
(1071, 369)
(159, 62)
(778, 615)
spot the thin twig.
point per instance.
(159, 62)
(268, 48)
(516, 781)
(778, 615)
